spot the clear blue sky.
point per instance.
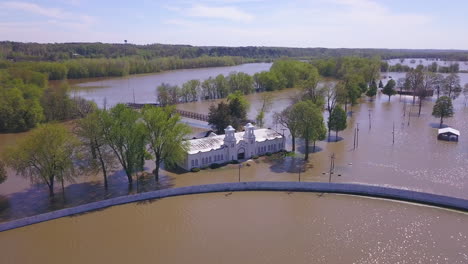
(296, 23)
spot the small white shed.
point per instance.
(448, 134)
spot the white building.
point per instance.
(231, 146)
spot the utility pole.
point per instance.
(357, 136)
(332, 167)
(240, 165)
(393, 134)
(300, 174)
(370, 124)
(354, 142)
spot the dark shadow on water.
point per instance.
(301, 149)
(332, 139)
(437, 125)
(36, 200)
(287, 164)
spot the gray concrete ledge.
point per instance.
(340, 188)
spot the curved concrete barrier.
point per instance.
(340, 188)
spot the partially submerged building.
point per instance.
(231, 146)
(448, 134)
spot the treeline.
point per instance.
(17, 51)
(26, 100)
(433, 67)
(285, 73)
(88, 68)
(100, 142)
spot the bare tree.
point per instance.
(287, 119)
(451, 86)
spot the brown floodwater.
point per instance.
(416, 161)
(247, 227)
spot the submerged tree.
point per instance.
(465, 93)
(165, 135)
(311, 126)
(443, 108)
(45, 155)
(372, 91)
(3, 173)
(337, 121)
(267, 100)
(389, 89)
(98, 155)
(451, 86)
(287, 119)
(219, 117)
(125, 135)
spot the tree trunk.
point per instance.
(306, 150)
(129, 176)
(51, 188)
(389, 98)
(103, 166)
(420, 105)
(313, 151)
(441, 121)
(336, 136)
(329, 133)
(293, 143)
(156, 170)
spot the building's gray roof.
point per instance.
(216, 142)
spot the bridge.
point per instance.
(187, 114)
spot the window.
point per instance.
(196, 162)
(193, 163)
(209, 160)
(221, 156)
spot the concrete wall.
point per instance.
(353, 189)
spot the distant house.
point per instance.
(231, 146)
(448, 134)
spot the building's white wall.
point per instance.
(230, 150)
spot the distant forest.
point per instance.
(88, 60)
(17, 51)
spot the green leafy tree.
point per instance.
(45, 155)
(3, 173)
(311, 125)
(20, 94)
(165, 135)
(98, 156)
(238, 107)
(125, 134)
(443, 108)
(337, 120)
(219, 117)
(381, 84)
(267, 100)
(389, 89)
(372, 91)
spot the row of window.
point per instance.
(269, 148)
(208, 160)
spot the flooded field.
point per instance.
(247, 227)
(143, 86)
(417, 160)
(414, 62)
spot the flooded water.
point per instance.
(416, 161)
(414, 62)
(121, 90)
(247, 227)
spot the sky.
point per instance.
(418, 24)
